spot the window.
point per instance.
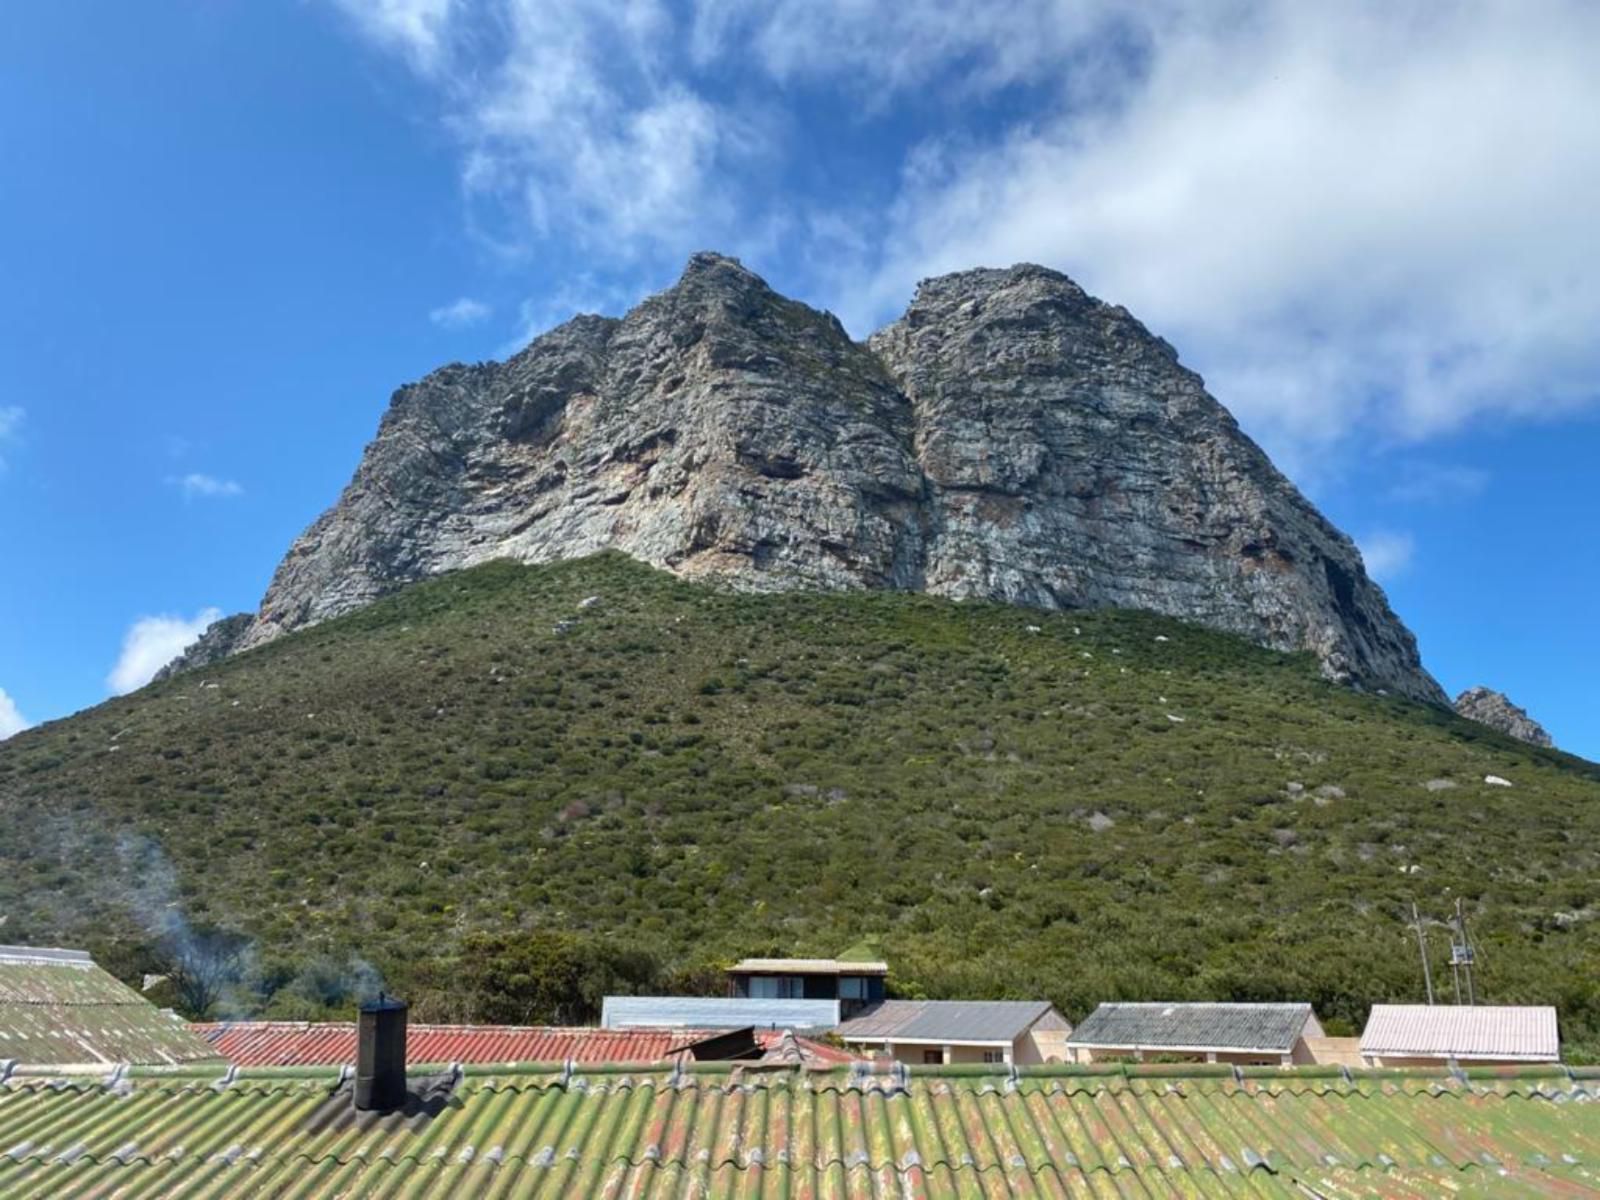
(852, 987)
(932, 1057)
(994, 1056)
(776, 987)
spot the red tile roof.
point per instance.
(310, 1043)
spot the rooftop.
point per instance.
(702, 1012)
(808, 966)
(944, 1020)
(57, 1008)
(544, 1131)
(1270, 1028)
(332, 1043)
(1462, 1032)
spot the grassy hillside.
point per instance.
(1082, 806)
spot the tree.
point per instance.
(538, 978)
(203, 963)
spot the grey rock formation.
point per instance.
(1010, 437)
(1494, 709)
(220, 639)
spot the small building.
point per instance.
(854, 984)
(1259, 1034)
(959, 1031)
(60, 1010)
(1483, 1035)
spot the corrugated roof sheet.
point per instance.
(808, 966)
(331, 1043)
(699, 1012)
(1464, 1032)
(1273, 1028)
(944, 1020)
(716, 1132)
(57, 1008)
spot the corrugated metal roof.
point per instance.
(1272, 1028)
(716, 1132)
(699, 1012)
(57, 1008)
(1464, 1032)
(808, 966)
(331, 1043)
(944, 1020)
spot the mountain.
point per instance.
(1009, 438)
(1495, 710)
(1077, 806)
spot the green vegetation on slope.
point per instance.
(1082, 806)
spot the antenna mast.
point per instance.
(1462, 955)
(1422, 947)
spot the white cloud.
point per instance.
(1437, 483)
(1371, 217)
(197, 485)
(151, 643)
(1387, 554)
(460, 313)
(415, 28)
(1364, 214)
(10, 421)
(11, 718)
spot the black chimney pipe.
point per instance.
(381, 1055)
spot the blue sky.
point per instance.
(229, 231)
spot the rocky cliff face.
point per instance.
(1010, 437)
(1494, 709)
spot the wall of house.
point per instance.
(1128, 1054)
(1043, 1046)
(1330, 1051)
(911, 1052)
(1394, 1060)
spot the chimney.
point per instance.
(381, 1055)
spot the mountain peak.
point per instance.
(1010, 438)
(1494, 709)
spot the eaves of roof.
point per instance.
(544, 1131)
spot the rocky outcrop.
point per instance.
(1010, 437)
(220, 639)
(1494, 709)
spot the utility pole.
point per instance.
(1422, 947)
(1462, 955)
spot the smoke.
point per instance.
(224, 973)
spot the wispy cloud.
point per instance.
(460, 313)
(1437, 483)
(1387, 554)
(10, 421)
(417, 29)
(151, 643)
(11, 718)
(1372, 218)
(196, 485)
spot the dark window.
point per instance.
(933, 1056)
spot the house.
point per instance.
(59, 1009)
(331, 1043)
(959, 1031)
(724, 1130)
(853, 984)
(1399, 1035)
(1263, 1034)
